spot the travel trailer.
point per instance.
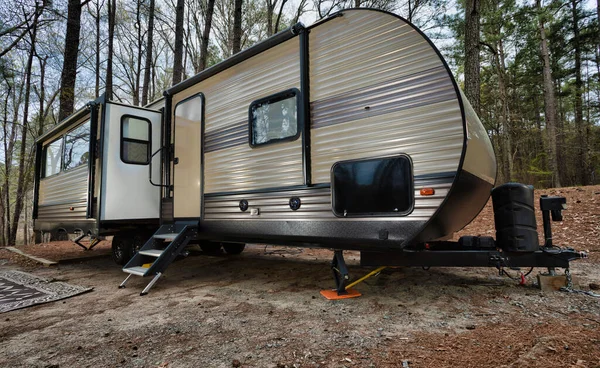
(350, 134)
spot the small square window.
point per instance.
(135, 140)
(274, 118)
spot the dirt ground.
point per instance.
(263, 309)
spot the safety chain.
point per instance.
(569, 288)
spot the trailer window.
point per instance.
(274, 118)
(53, 154)
(373, 187)
(135, 140)
(77, 145)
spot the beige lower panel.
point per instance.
(316, 206)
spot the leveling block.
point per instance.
(340, 274)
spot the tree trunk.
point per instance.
(112, 9)
(472, 25)
(178, 56)
(237, 27)
(96, 17)
(270, 12)
(9, 145)
(148, 64)
(3, 192)
(549, 101)
(21, 187)
(210, 9)
(278, 20)
(138, 64)
(69, 71)
(582, 146)
(507, 165)
(561, 154)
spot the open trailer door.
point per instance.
(131, 135)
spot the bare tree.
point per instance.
(178, 52)
(69, 71)
(549, 100)
(271, 5)
(112, 9)
(237, 27)
(148, 61)
(582, 139)
(472, 62)
(210, 9)
(21, 184)
(95, 14)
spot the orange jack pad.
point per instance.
(333, 295)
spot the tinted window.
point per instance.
(53, 154)
(135, 140)
(274, 118)
(373, 187)
(77, 144)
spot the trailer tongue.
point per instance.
(516, 243)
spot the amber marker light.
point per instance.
(427, 191)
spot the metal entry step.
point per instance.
(169, 236)
(163, 255)
(152, 252)
(137, 270)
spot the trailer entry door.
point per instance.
(187, 173)
(131, 135)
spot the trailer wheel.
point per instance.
(121, 249)
(135, 243)
(60, 235)
(234, 248)
(210, 247)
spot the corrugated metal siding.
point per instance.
(378, 89)
(362, 48)
(61, 192)
(316, 205)
(231, 167)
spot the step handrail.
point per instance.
(150, 170)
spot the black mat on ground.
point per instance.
(20, 290)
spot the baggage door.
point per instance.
(131, 135)
(187, 171)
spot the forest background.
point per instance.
(531, 69)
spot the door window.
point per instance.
(136, 140)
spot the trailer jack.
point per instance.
(94, 240)
(344, 290)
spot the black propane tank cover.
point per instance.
(514, 217)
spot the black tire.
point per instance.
(121, 249)
(234, 248)
(210, 247)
